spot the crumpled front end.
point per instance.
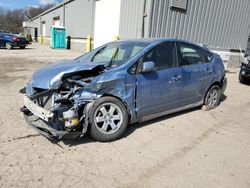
(51, 118)
(61, 108)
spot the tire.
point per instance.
(242, 80)
(8, 46)
(108, 119)
(212, 98)
(22, 47)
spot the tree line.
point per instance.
(12, 20)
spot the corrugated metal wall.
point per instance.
(217, 23)
(131, 18)
(79, 18)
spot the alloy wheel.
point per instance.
(8, 45)
(108, 118)
(212, 97)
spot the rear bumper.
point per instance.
(20, 44)
(223, 85)
(245, 73)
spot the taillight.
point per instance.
(16, 39)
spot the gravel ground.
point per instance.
(194, 148)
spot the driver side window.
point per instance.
(164, 56)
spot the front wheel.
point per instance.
(108, 119)
(22, 47)
(212, 98)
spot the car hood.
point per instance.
(49, 76)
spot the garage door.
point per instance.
(44, 29)
(107, 16)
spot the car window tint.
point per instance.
(189, 55)
(164, 56)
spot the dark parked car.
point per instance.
(10, 41)
(244, 74)
(121, 83)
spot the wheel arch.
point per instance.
(216, 83)
(6, 42)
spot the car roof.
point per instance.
(159, 40)
(9, 34)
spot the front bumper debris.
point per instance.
(42, 113)
(43, 127)
(46, 128)
(43, 121)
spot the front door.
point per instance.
(159, 90)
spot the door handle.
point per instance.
(209, 71)
(176, 77)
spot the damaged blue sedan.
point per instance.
(121, 83)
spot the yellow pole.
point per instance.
(116, 38)
(88, 48)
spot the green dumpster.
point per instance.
(58, 37)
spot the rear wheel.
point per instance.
(212, 98)
(22, 47)
(8, 45)
(108, 119)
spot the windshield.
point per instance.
(114, 54)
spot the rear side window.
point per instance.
(189, 55)
(207, 56)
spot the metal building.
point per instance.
(219, 24)
(75, 15)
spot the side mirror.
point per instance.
(148, 66)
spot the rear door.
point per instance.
(196, 73)
(158, 90)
